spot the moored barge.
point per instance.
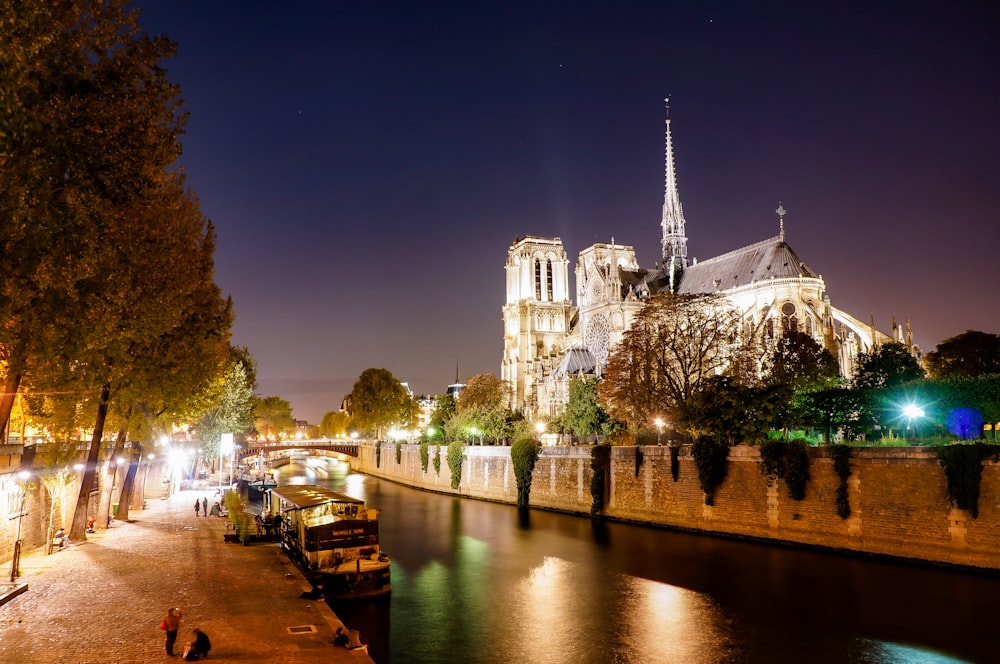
(333, 539)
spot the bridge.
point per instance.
(348, 447)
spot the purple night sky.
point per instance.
(367, 164)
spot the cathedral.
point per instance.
(549, 339)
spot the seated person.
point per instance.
(198, 648)
(61, 539)
(354, 639)
(340, 638)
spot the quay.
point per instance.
(102, 600)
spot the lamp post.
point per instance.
(659, 429)
(912, 412)
(15, 564)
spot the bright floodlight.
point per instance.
(912, 410)
(540, 427)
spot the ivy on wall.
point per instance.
(456, 453)
(399, 453)
(842, 469)
(638, 459)
(524, 454)
(675, 463)
(600, 464)
(424, 455)
(963, 469)
(711, 457)
(437, 460)
(789, 461)
(378, 454)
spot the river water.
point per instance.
(477, 582)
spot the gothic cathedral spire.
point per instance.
(674, 239)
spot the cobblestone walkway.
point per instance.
(102, 600)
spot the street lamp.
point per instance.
(659, 429)
(911, 411)
(15, 565)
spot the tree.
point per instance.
(584, 415)
(272, 416)
(227, 404)
(888, 365)
(482, 406)
(968, 355)
(675, 342)
(335, 424)
(801, 363)
(378, 401)
(725, 410)
(444, 409)
(77, 78)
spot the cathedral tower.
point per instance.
(674, 239)
(536, 315)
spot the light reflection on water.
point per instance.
(481, 582)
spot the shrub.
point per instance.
(796, 469)
(712, 459)
(399, 453)
(638, 459)
(424, 455)
(456, 453)
(675, 463)
(437, 460)
(378, 454)
(787, 460)
(963, 469)
(524, 454)
(600, 463)
(842, 468)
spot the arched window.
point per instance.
(548, 271)
(538, 279)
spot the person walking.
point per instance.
(204, 505)
(197, 506)
(170, 624)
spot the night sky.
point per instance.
(367, 164)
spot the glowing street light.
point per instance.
(912, 411)
(659, 428)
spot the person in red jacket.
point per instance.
(171, 623)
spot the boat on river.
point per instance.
(332, 538)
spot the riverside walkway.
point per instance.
(102, 600)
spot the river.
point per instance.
(478, 582)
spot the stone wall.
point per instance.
(898, 496)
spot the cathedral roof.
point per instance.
(769, 259)
(576, 360)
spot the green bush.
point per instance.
(399, 453)
(963, 469)
(712, 460)
(456, 453)
(600, 463)
(524, 454)
(842, 468)
(437, 460)
(424, 455)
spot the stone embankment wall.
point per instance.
(898, 496)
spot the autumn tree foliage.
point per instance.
(108, 289)
(674, 344)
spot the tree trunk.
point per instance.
(78, 529)
(10, 387)
(111, 481)
(128, 482)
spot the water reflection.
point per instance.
(483, 582)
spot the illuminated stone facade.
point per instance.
(548, 339)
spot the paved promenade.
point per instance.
(102, 600)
